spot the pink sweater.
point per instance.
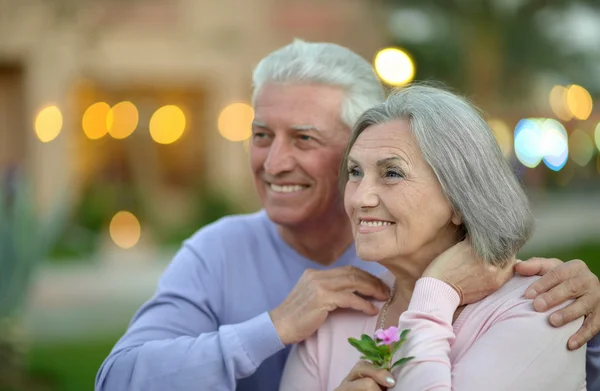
(499, 343)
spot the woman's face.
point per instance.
(394, 199)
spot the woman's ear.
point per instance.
(456, 219)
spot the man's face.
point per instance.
(298, 140)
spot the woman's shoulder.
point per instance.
(507, 302)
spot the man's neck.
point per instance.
(323, 242)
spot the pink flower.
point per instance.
(388, 336)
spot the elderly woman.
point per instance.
(423, 172)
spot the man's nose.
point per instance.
(280, 158)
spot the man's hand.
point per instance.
(320, 292)
(561, 282)
(461, 268)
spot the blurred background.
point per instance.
(124, 127)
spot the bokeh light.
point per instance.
(95, 120)
(581, 147)
(541, 139)
(528, 137)
(125, 229)
(579, 102)
(167, 124)
(48, 123)
(394, 66)
(122, 120)
(235, 122)
(558, 103)
(503, 135)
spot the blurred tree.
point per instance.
(490, 50)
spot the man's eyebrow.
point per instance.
(297, 128)
(304, 127)
(259, 124)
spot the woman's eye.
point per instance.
(393, 174)
(353, 173)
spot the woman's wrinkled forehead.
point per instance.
(392, 139)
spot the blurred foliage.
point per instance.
(491, 47)
(588, 252)
(25, 240)
(69, 366)
(91, 216)
(211, 205)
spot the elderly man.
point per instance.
(242, 290)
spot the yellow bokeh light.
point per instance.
(597, 136)
(581, 147)
(579, 102)
(558, 103)
(122, 120)
(503, 135)
(235, 122)
(48, 123)
(167, 124)
(125, 229)
(394, 66)
(95, 120)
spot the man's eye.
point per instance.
(259, 135)
(305, 137)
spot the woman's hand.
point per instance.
(461, 268)
(366, 377)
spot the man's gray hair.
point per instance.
(462, 151)
(323, 63)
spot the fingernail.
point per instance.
(556, 319)
(390, 381)
(541, 304)
(573, 345)
(530, 293)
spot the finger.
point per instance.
(364, 384)
(580, 307)
(366, 370)
(351, 301)
(537, 266)
(549, 280)
(569, 289)
(357, 280)
(590, 327)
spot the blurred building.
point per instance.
(196, 55)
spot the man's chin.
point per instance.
(286, 215)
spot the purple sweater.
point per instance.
(207, 327)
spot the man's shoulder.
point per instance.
(231, 230)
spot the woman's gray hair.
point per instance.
(323, 63)
(462, 151)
